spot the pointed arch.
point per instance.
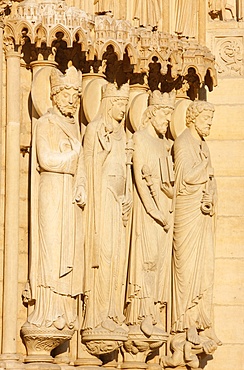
(82, 38)
(132, 53)
(117, 49)
(19, 28)
(59, 28)
(40, 34)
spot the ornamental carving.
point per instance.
(229, 52)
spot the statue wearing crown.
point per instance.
(109, 200)
(57, 201)
(148, 290)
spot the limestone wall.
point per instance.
(227, 148)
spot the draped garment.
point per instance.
(57, 237)
(105, 246)
(151, 247)
(193, 246)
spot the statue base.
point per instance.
(139, 346)
(40, 341)
(88, 363)
(100, 341)
(134, 365)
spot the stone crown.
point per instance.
(166, 99)
(72, 78)
(112, 91)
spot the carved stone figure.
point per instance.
(147, 11)
(194, 228)
(148, 288)
(58, 196)
(217, 8)
(186, 18)
(106, 252)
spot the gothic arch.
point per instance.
(132, 53)
(82, 38)
(21, 26)
(117, 49)
(59, 28)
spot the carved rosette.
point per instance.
(229, 51)
(40, 341)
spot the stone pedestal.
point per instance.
(139, 346)
(40, 341)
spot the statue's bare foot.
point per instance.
(109, 324)
(209, 346)
(147, 326)
(210, 333)
(192, 335)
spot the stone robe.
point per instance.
(193, 247)
(186, 17)
(147, 11)
(151, 247)
(57, 262)
(106, 262)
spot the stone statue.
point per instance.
(150, 259)
(147, 11)
(58, 198)
(186, 18)
(217, 8)
(194, 229)
(106, 251)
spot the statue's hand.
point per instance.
(126, 208)
(207, 197)
(168, 190)
(80, 196)
(75, 145)
(204, 158)
(105, 140)
(160, 218)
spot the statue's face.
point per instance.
(161, 120)
(203, 122)
(67, 101)
(119, 109)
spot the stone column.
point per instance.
(10, 286)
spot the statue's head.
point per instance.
(159, 111)
(66, 90)
(200, 114)
(114, 102)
